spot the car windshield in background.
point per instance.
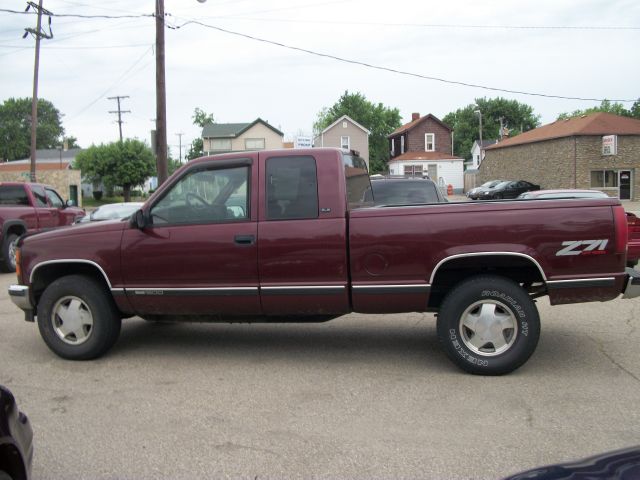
(490, 184)
(404, 192)
(112, 211)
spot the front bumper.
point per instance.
(21, 297)
(632, 290)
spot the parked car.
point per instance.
(633, 246)
(16, 439)
(111, 211)
(507, 189)
(30, 208)
(405, 191)
(617, 465)
(567, 193)
(474, 193)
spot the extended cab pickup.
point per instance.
(288, 235)
(27, 208)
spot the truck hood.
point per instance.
(76, 231)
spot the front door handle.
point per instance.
(244, 239)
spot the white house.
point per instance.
(477, 153)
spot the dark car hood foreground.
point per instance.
(16, 436)
(616, 465)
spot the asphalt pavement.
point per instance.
(363, 396)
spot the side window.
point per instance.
(13, 195)
(205, 196)
(54, 199)
(292, 188)
(40, 196)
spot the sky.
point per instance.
(567, 48)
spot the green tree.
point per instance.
(72, 142)
(516, 117)
(378, 119)
(200, 118)
(196, 149)
(126, 164)
(15, 127)
(607, 107)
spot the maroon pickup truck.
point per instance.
(27, 208)
(290, 235)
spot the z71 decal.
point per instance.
(583, 247)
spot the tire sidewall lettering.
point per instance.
(464, 353)
(516, 307)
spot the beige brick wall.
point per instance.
(60, 180)
(562, 163)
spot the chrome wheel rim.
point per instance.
(72, 320)
(488, 328)
(12, 253)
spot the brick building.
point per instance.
(600, 151)
(423, 147)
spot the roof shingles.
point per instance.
(594, 124)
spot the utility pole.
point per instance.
(161, 98)
(180, 144)
(119, 112)
(38, 33)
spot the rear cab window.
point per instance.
(359, 193)
(291, 188)
(13, 195)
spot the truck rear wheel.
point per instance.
(488, 325)
(77, 319)
(9, 252)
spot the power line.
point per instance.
(239, 16)
(120, 79)
(432, 25)
(81, 47)
(78, 15)
(393, 70)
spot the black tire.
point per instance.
(492, 348)
(498, 196)
(85, 300)
(4, 475)
(8, 254)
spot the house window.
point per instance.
(401, 145)
(413, 170)
(429, 142)
(254, 144)
(344, 143)
(220, 144)
(393, 147)
(604, 179)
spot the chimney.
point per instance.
(415, 116)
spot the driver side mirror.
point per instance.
(69, 203)
(139, 220)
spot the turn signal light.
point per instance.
(18, 263)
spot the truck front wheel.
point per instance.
(9, 252)
(488, 325)
(77, 319)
